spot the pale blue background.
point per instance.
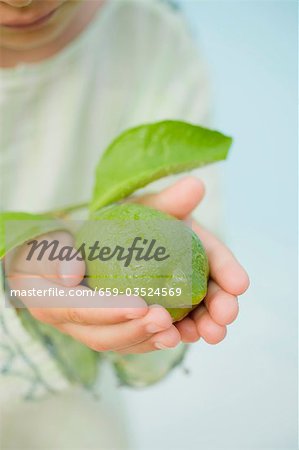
(242, 393)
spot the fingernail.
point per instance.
(160, 346)
(154, 328)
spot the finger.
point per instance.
(188, 330)
(103, 314)
(112, 337)
(223, 307)
(209, 330)
(41, 293)
(108, 311)
(224, 268)
(37, 259)
(178, 200)
(69, 306)
(165, 340)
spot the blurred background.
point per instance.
(242, 393)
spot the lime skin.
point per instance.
(147, 222)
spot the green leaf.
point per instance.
(147, 368)
(146, 153)
(18, 227)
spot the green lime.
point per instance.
(175, 277)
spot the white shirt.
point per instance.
(135, 63)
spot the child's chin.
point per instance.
(22, 40)
(40, 36)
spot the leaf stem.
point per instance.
(64, 212)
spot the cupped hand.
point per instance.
(105, 327)
(228, 279)
(135, 327)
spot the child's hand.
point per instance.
(139, 328)
(102, 328)
(220, 307)
(228, 278)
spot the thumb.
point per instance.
(178, 200)
(35, 262)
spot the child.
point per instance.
(74, 74)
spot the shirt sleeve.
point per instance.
(37, 360)
(27, 370)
